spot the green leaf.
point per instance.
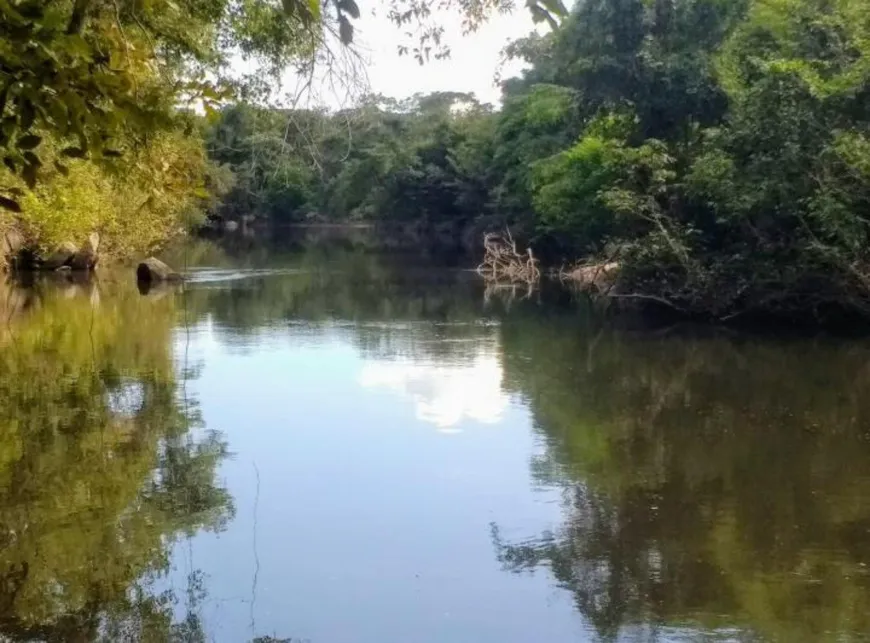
(10, 204)
(202, 193)
(345, 30)
(78, 46)
(210, 92)
(4, 95)
(349, 7)
(314, 9)
(29, 142)
(34, 11)
(212, 115)
(7, 10)
(58, 111)
(539, 14)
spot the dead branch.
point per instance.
(502, 262)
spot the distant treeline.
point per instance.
(719, 150)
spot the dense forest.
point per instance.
(716, 150)
(104, 103)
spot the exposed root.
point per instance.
(503, 263)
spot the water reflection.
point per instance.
(99, 469)
(603, 484)
(712, 486)
(444, 394)
(709, 483)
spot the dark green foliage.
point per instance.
(96, 74)
(719, 150)
(103, 76)
(741, 184)
(421, 161)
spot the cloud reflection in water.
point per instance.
(444, 394)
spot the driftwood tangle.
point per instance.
(503, 263)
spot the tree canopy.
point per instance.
(96, 73)
(717, 150)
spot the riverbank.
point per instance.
(150, 194)
(686, 293)
(20, 256)
(608, 285)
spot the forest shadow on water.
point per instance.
(331, 443)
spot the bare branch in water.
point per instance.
(503, 263)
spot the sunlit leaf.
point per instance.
(212, 115)
(554, 7)
(314, 9)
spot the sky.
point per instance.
(475, 59)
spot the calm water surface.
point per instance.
(334, 446)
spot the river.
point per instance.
(332, 444)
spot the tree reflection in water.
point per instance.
(102, 466)
(709, 483)
(712, 486)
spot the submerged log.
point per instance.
(153, 270)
